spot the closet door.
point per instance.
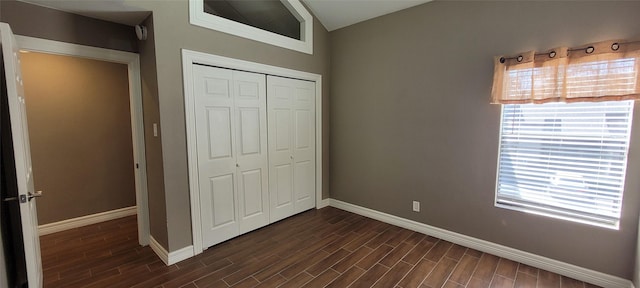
(231, 146)
(251, 129)
(304, 145)
(215, 140)
(291, 115)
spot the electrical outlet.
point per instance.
(416, 206)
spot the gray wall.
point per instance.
(153, 145)
(36, 21)
(172, 33)
(80, 134)
(411, 120)
(636, 269)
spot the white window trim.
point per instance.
(198, 17)
(497, 204)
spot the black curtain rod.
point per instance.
(589, 49)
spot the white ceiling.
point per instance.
(333, 14)
(336, 14)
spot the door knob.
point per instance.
(34, 195)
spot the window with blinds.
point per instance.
(565, 160)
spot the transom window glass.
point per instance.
(270, 15)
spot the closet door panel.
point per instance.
(215, 141)
(291, 117)
(249, 131)
(304, 193)
(253, 191)
(283, 189)
(304, 145)
(280, 141)
(222, 200)
(252, 199)
(218, 131)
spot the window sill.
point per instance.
(615, 226)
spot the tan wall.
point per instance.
(80, 133)
(411, 120)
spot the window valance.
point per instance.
(603, 71)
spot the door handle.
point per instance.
(34, 195)
(22, 198)
(10, 199)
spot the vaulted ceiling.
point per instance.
(336, 14)
(333, 14)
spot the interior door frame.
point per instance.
(132, 60)
(189, 58)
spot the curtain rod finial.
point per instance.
(502, 59)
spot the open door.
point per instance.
(22, 156)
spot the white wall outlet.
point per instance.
(416, 206)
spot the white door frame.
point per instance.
(190, 58)
(132, 60)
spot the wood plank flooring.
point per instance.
(319, 248)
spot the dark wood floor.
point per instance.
(318, 248)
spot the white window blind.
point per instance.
(566, 160)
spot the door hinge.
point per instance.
(137, 166)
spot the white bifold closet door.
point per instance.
(230, 109)
(291, 121)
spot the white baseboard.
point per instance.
(181, 254)
(173, 257)
(559, 267)
(160, 251)
(323, 203)
(86, 220)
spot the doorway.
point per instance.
(131, 130)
